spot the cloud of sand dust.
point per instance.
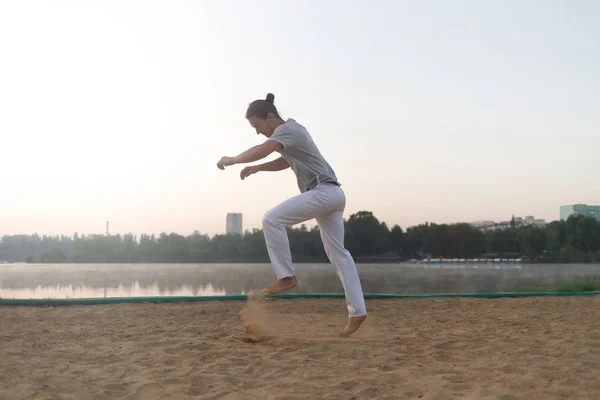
(261, 325)
(254, 317)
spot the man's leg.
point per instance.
(293, 211)
(331, 227)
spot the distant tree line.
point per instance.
(574, 240)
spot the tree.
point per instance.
(396, 240)
(365, 235)
(575, 240)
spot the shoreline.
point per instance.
(319, 261)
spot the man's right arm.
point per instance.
(276, 165)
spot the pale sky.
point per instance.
(440, 111)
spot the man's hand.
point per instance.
(246, 172)
(224, 161)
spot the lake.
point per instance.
(35, 281)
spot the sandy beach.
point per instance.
(454, 348)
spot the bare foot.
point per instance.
(281, 285)
(352, 325)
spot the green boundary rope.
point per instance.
(172, 299)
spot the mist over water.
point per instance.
(28, 281)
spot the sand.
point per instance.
(454, 348)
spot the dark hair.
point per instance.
(261, 108)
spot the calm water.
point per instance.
(134, 280)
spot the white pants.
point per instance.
(326, 204)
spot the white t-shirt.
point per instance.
(301, 152)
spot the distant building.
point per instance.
(529, 220)
(519, 222)
(234, 224)
(579, 209)
(483, 225)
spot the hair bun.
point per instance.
(270, 98)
